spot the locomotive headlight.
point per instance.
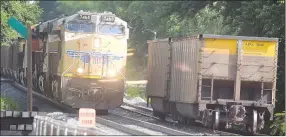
(111, 73)
(79, 70)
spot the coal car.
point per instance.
(219, 80)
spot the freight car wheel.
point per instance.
(55, 89)
(254, 121)
(34, 80)
(9, 73)
(4, 72)
(16, 76)
(22, 81)
(252, 125)
(216, 116)
(41, 83)
(159, 115)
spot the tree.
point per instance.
(261, 19)
(22, 11)
(181, 18)
(49, 10)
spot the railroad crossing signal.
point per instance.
(18, 26)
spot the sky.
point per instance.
(31, 1)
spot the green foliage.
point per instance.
(135, 92)
(262, 19)
(22, 11)
(279, 124)
(7, 103)
(49, 8)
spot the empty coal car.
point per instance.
(217, 79)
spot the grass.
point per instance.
(7, 103)
(135, 92)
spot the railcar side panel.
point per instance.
(184, 70)
(219, 58)
(258, 61)
(158, 64)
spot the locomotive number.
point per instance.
(85, 17)
(107, 18)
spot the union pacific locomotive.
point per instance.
(77, 60)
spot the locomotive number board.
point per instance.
(107, 18)
(85, 17)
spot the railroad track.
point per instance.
(115, 120)
(112, 121)
(108, 127)
(149, 113)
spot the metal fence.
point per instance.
(41, 123)
(61, 125)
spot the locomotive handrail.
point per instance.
(70, 67)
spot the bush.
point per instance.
(7, 103)
(132, 91)
(278, 126)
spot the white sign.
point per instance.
(87, 117)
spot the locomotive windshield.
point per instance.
(80, 27)
(111, 29)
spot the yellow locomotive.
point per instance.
(77, 60)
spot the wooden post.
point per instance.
(29, 69)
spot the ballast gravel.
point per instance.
(197, 131)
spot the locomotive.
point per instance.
(77, 60)
(222, 81)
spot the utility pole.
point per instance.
(29, 69)
(154, 32)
